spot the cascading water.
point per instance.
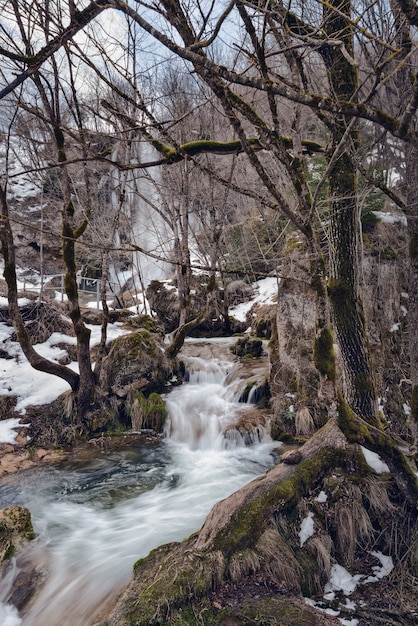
(94, 518)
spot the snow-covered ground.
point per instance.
(265, 293)
(31, 387)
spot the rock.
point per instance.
(135, 362)
(238, 291)
(25, 586)
(248, 348)
(15, 529)
(292, 457)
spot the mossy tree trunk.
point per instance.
(344, 291)
(70, 233)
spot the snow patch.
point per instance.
(306, 528)
(390, 218)
(342, 580)
(321, 497)
(32, 387)
(374, 461)
(7, 430)
(380, 571)
(266, 293)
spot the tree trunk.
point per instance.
(412, 215)
(344, 291)
(36, 360)
(70, 234)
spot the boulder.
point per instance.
(15, 529)
(136, 362)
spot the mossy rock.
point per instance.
(247, 348)
(15, 529)
(135, 362)
(146, 412)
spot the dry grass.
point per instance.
(304, 423)
(271, 561)
(352, 523)
(375, 490)
(321, 546)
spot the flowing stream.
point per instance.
(95, 516)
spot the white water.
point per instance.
(94, 521)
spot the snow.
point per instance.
(321, 497)
(7, 432)
(266, 293)
(18, 378)
(374, 461)
(390, 218)
(342, 580)
(395, 327)
(306, 528)
(382, 570)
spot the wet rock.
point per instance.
(25, 586)
(247, 347)
(15, 529)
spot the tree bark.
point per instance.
(344, 291)
(412, 216)
(70, 234)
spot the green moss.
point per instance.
(163, 149)
(317, 285)
(353, 428)
(146, 412)
(248, 523)
(211, 285)
(11, 550)
(337, 291)
(324, 356)
(81, 229)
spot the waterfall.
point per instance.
(95, 517)
(203, 418)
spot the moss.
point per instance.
(324, 356)
(211, 285)
(163, 149)
(317, 285)
(248, 523)
(146, 412)
(337, 291)
(9, 552)
(353, 428)
(81, 229)
(248, 348)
